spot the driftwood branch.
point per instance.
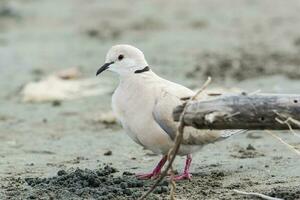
(251, 112)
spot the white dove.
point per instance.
(143, 103)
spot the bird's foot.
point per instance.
(148, 176)
(156, 172)
(184, 176)
(186, 173)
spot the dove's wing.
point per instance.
(162, 114)
(170, 97)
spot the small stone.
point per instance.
(164, 183)
(92, 32)
(56, 103)
(126, 173)
(61, 172)
(123, 185)
(127, 192)
(158, 190)
(250, 147)
(139, 184)
(164, 189)
(108, 153)
(32, 197)
(30, 164)
(117, 181)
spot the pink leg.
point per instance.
(186, 173)
(155, 173)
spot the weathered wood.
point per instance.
(252, 112)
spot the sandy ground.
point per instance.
(244, 44)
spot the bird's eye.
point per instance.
(120, 57)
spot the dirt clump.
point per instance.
(103, 183)
(248, 152)
(285, 193)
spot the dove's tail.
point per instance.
(229, 133)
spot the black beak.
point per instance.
(103, 68)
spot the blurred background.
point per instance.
(54, 112)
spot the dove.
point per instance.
(143, 103)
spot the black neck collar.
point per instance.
(147, 68)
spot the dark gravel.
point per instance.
(107, 183)
(286, 193)
(103, 184)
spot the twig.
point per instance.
(283, 142)
(232, 115)
(173, 151)
(288, 124)
(257, 195)
(287, 118)
(295, 121)
(255, 92)
(173, 184)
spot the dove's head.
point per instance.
(124, 59)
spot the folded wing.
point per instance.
(166, 101)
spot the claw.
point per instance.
(147, 176)
(184, 176)
(156, 172)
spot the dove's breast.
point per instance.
(133, 105)
(123, 108)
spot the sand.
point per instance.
(249, 45)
